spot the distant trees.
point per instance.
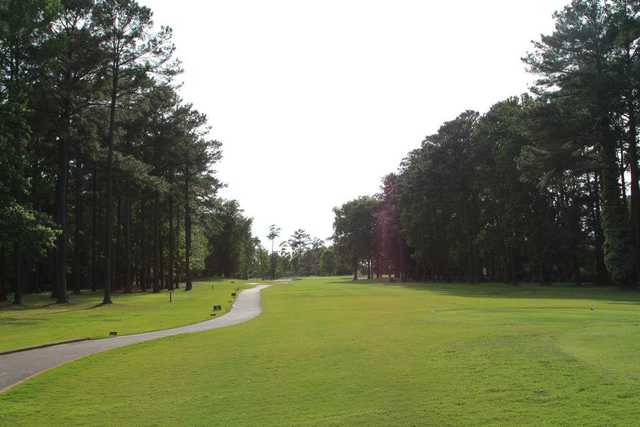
(299, 243)
(354, 232)
(274, 233)
(328, 262)
(232, 249)
(299, 255)
(104, 170)
(311, 259)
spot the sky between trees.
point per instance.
(316, 101)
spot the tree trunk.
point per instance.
(163, 279)
(623, 183)
(29, 279)
(473, 231)
(109, 199)
(137, 253)
(17, 294)
(513, 273)
(94, 229)
(77, 238)
(143, 246)
(148, 251)
(178, 271)
(115, 282)
(172, 255)
(3, 275)
(575, 240)
(601, 276)
(128, 279)
(138, 250)
(60, 289)
(187, 233)
(156, 243)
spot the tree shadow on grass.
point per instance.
(509, 291)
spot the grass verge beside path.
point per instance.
(332, 352)
(39, 321)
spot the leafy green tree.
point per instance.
(439, 201)
(298, 243)
(231, 246)
(354, 231)
(31, 232)
(328, 262)
(509, 206)
(263, 264)
(310, 261)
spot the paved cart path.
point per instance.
(17, 367)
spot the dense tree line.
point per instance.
(542, 187)
(105, 172)
(298, 255)
(232, 249)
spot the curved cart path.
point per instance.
(17, 367)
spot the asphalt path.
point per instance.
(17, 367)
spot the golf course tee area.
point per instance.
(329, 351)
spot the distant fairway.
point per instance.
(331, 352)
(40, 321)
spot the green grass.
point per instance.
(39, 321)
(330, 352)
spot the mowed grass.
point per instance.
(39, 321)
(331, 352)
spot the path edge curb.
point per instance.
(35, 347)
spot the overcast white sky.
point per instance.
(315, 101)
